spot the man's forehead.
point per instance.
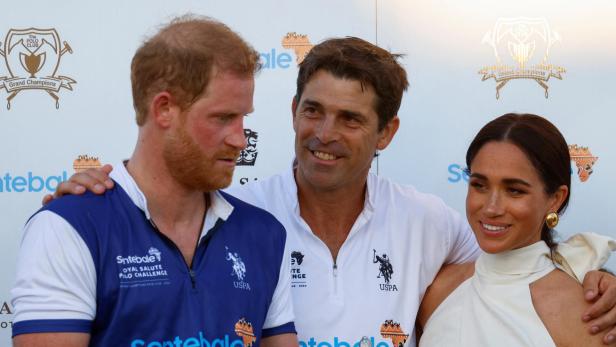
(327, 88)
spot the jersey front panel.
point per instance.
(146, 294)
(375, 286)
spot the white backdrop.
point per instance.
(446, 104)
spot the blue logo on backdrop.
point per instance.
(338, 343)
(30, 183)
(275, 59)
(457, 173)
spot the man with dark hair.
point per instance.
(164, 258)
(338, 215)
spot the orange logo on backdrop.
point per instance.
(244, 330)
(300, 44)
(84, 162)
(521, 47)
(584, 161)
(32, 57)
(392, 330)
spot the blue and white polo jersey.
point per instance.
(96, 264)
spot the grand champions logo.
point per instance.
(32, 57)
(521, 48)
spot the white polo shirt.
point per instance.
(391, 255)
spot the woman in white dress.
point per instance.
(515, 294)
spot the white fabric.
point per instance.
(494, 307)
(56, 277)
(281, 310)
(416, 231)
(584, 252)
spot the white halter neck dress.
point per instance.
(494, 307)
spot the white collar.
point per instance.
(220, 208)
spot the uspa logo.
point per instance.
(386, 270)
(392, 330)
(584, 161)
(300, 44)
(248, 156)
(239, 270)
(84, 162)
(6, 312)
(521, 47)
(32, 58)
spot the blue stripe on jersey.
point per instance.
(145, 290)
(52, 325)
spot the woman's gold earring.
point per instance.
(551, 220)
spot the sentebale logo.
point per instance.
(300, 44)
(84, 162)
(521, 47)
(584, 161)
(392, 330)
(32, 59)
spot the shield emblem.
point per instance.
(517, 40)
(32, 52)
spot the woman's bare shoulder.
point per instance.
(446, 281)
(559, 302)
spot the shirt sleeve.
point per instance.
(280, 317)
(55, 287)
(463, 245)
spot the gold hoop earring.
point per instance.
(551, 220)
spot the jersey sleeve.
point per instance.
(55, 287)
(463, 245)
(280, 317)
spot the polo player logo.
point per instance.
(521, 47)
(32, 58)
(385, 267)
(239, 268)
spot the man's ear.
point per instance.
(163, 109)
(387, 133)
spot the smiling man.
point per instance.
(364, 249)
(164, 258)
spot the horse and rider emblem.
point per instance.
(32, 57)
(385, 267)
(239, 268)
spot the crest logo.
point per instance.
(521, 48)
(584, 161)
(32, 58)
(84, 162)
(392, 330)
(300, 44)
(248, 156)
(244, 330)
